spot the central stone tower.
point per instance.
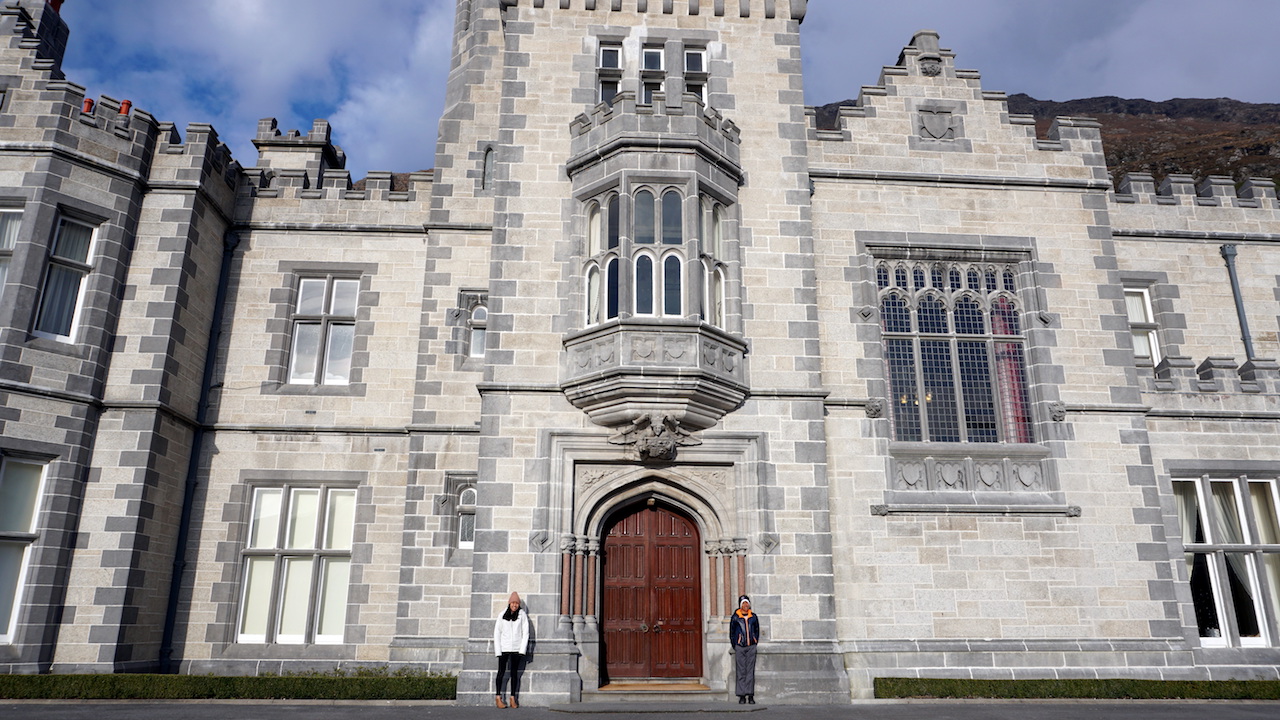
(651, 438)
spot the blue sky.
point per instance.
(231, 62)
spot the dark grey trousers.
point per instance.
(744, 661)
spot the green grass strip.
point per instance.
(198, 687)
(1109, 688)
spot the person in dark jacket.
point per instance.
(744, 636)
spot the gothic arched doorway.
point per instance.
(651, 619)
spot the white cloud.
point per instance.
(377, 68)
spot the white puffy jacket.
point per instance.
(511, 635)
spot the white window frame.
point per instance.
(478, 323)
(1145, 326)
(8, 241)
(278, 557)
(466, 509)
(607, 48)
(699, 53)
(25, 537)
(84, 268)
(326, 320)
(653, 51)
(1253, 552)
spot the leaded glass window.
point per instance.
(954, 352)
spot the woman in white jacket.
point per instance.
(510, 641)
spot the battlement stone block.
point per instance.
(1174, 373)
(1260, 375)
(1214, 372)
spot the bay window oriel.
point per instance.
(655, 252)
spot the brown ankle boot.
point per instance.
(497, 700)
(514, 703)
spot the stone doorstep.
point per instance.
(653, 697)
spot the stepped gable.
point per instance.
(927, 103)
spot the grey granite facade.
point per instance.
(924, 385)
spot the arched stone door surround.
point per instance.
(701, 496)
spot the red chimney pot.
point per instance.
(88, 105)
(125, 106)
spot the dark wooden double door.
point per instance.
(652, 621)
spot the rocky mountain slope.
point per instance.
(1198, 137)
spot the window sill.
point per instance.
(352, 390)
(977, 507)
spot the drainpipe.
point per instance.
(229, 242)
(1229, 254)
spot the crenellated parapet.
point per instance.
(1212, 191)
(193, 163)
(36, 27)
(668, 124)
(767, 9)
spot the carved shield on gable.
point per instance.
(936, 125)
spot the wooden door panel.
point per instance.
(651, 611)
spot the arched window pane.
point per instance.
(931, 317)
(593, 296)
(611, 289)
(968, 317)
(717, 231)
(644, 217)
(717, 299)
(1008, 282)
(895, 316)
(882, 277)
(917, 278)
(644, 285)
(900, 277)
(975, 282)
(613, 222)
(953, 280)
(672, 218)
(479, 314)
(1004, 318)
(594, 240)
(937, 280)
(486, 178)
(468, 497)
(671, 292)
(991, 280)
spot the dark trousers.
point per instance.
(512, 661)
(744, 661)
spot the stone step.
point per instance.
(656, 692)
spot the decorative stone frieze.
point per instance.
(627, 370)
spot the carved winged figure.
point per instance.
(654, 437)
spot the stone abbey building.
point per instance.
(927, 387)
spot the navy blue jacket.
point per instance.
(744, 631)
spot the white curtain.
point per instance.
(1188, 516)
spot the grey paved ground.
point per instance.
(868, 710)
